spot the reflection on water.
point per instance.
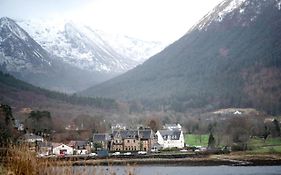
(169, 170)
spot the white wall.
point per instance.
(57, 150)
(170, 143)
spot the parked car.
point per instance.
(93, 154)
(116, 153)
(142, 152)
(127, 153)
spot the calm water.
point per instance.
(176, 170)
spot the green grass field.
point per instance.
(196, 140)
(271, 145)
(255, 145)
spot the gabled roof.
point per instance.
(126, 134)
(170, 134)
(55, 145)
(146, 134)
(101, 137)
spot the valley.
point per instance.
(69, 91)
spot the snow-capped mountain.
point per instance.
(135, 49)
(90, 49)
(24, 58)
(244, 11)
(19, 52)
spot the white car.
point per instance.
(127, 153)
(116, 153)
(142, 152)
(93, 154)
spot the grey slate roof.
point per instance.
(126, 134)
(101, 137)
(146, 134)
(173, 135)
(134, 134)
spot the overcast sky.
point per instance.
(163, 20)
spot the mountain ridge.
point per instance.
(214, 67)
(66, 58)
(103, 51)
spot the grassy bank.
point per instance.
(196, 140)
(261, 146)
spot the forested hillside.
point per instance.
(23, 95)
(231, 58)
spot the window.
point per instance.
(134, 141)
(128, 141)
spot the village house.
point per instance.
(146, 139)
(116, 141)
(80, 147)
(101, 141)
(62, 149)
(170, 138)
(132, 140)
(30, 138)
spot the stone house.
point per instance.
(116, 141)
(101, 141)
(131, 140)
(146, 139)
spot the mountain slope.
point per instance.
(24, 58)
(230, 58)
(20, 94)
(16, 43)
(89, 49)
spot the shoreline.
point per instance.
(207, 160)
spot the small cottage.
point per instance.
(62, 149)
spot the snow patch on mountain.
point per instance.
(229, 8)
(5, 22)
(219, 13)
(135, 49)
(88, 48)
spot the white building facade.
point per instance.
(63, 149)
(170, 138)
